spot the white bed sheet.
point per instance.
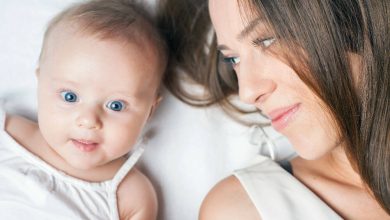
(191, 149)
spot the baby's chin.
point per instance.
(80, 165)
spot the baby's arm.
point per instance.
(137, 199)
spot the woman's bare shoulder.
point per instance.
(228, 200)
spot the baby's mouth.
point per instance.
(85, 145)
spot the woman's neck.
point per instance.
(333, 175)
(340, 167)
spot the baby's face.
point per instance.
(94, 97)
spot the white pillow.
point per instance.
(192, 148)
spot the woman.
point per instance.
(320, 71)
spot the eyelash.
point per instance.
(263, 42)
(62, 94)
(231, 60)
(62, 91)
(123, 103)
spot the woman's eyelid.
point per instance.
(235, 60)
(264, 42)
(263, 35)
(230, 58)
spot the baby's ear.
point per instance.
(155, 105)
(37, 72)
(158, 100)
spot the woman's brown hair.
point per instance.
(191, 41)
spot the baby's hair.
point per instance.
(128, 21)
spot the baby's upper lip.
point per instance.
(277, 113)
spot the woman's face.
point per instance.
(269, 83)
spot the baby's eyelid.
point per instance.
(123, 104)
(65, 96)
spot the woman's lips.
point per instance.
(85, 146)
(280, 118)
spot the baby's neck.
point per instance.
(97, 174)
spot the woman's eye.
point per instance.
(69, 96)
(116, 105)
(265, 42)
(231, 60)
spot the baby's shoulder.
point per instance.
(20, 128)
(136, 197)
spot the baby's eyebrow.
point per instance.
(249, 28)
(62, 80)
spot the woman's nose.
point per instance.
(254, 84)
(89, 118)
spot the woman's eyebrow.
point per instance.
(245, 32)
(249, 28)
(222, 47)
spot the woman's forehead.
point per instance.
(230, 20)
(225, 17)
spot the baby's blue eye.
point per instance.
(69, 96)
(116, 105)
(231, 60)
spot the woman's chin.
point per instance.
(309, 152)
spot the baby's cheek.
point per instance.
(119, 135)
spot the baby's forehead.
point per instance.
(65, 32)
(73, 39)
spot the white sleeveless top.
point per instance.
(32, 189)
(277, 194)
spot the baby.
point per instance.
(99, 75)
